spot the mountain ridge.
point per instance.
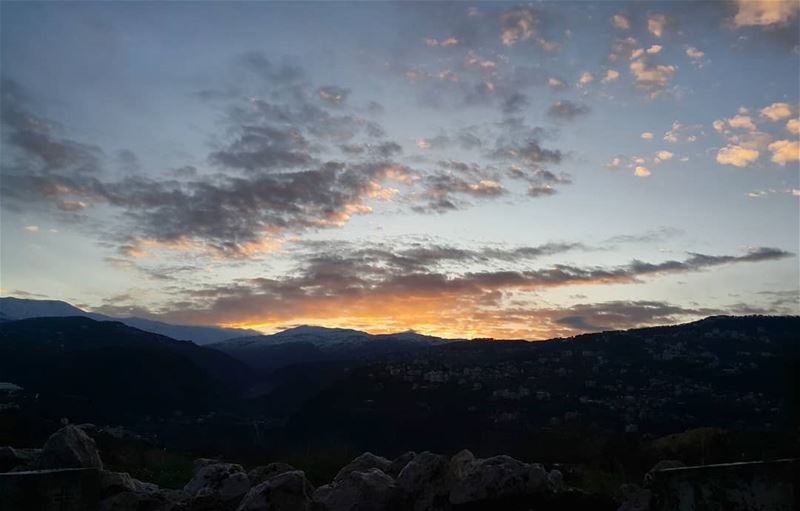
(12, 308)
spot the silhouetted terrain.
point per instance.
(323, 395)
(112, 371)
(19, 308)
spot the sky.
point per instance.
(507, 170)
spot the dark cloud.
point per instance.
(278, 168)
(567, 110)
(514, 103)
(38, 147)
(263, 148)
(335, 277)
(651, 236)
(625, 314)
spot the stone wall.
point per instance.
(755, 486)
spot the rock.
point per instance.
(555, 479)
(112, 483)
(537, 478)
(661, 465)
(492, 478)
(217, 486)
(369, 490)
(285, 491)
(12, 458)
(634, 498)
(261, 473)
(399, 463)
(70, 447)
(459, 464)
(363, 463)
(158, 500)
(423, 482)
(203, 462)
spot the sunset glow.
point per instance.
(457, 169)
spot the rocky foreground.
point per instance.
(414, 481)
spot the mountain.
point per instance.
(110, 369)
(309, 344)
(739, 373)
(19, 308)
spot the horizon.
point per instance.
(286, 328)
(481, 169)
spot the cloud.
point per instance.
(585, 79)
(541, 191)
(32, 228)
(793, 126)
(622, 49)
(785, 151)
(777, 111)
(274, 179)
(696, 56)
(617, 315)
(556, 84)
(681, 133)
(764, 13)
(444, 43)
(38, 147)
(333, 95)
(514, 103)
(260, 148)
(664, 155)
(647, 135)
(430, 287)
(518, 24)
(737, 156)
(615, 163)
(567, 110)
(650, 78)
(693, 53)
(741, 122)
(657, 24)
(72, 205)
(612, 75)
(621, 22)
(758, 194)
(641, 171)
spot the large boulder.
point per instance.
(261, 473)
(555, 479)
(12, 458)
(399, 463)
(492, 478)
(369, 490)
(363, 463)
(538, 478)
(459, 465)
(285, 491)
(70, 447)
(424, 482)
(112, 483)
(217, 486)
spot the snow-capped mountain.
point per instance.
(314, 343)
